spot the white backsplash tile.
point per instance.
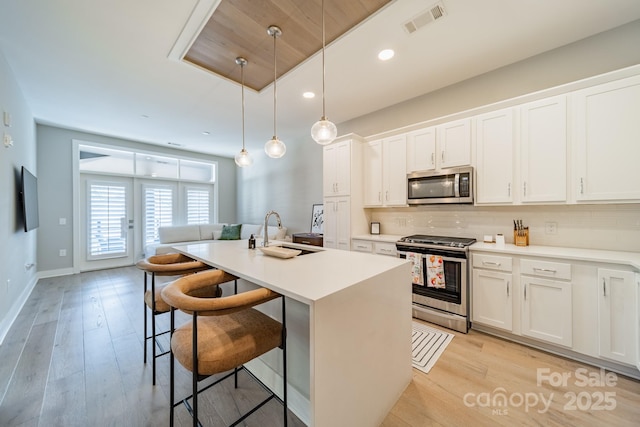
(611, 227)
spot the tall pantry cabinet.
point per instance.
(343, 191)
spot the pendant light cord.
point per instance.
(323, 66)
(275, 92)
(242, 80)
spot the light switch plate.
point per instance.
(7, 140)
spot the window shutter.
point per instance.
(158, 211)
(107, 214)
(197, 206)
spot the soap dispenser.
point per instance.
(252, 242)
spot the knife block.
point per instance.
(521, 239)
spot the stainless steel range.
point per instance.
(441, 294)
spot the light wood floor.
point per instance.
(74, 358)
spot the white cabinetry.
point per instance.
(336, 169)
(546, 303)
(543, 151)
(617, 314)
(342, 187)
(454, 144)
(336, 230)
(439, 147)
(494, 157)
(378, 248)
(385, 180)
(421, 150)
(606, 131)
(492, 291)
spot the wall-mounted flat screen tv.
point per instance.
(29, 200)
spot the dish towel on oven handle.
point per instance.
(416, 268)
(435, 272)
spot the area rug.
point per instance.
(427, 344)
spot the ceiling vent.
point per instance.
(430, 15)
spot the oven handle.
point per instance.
(444, 258)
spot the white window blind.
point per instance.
(107, 220)
(158, 211)
(197, 205)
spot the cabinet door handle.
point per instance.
(581, 185)
(497, 264)
(379, 196)
(386, 195)
(604, 287)
(362, 247)
(509, 189)
(544, 270)
(442, 156)
(433, 159)
(525, 291)
(507, 288)
(525, 188)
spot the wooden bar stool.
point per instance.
(223, 335)
(162, 265)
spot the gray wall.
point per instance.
(54, 151)
(18, 248)
(289, 185)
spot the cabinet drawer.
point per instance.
(361, 246)
(492, 262)
(557, 270)
(385, 249)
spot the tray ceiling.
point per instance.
(239, 28)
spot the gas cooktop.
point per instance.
(459, 242)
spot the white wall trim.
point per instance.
(15, 309)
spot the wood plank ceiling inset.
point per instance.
(239, 28)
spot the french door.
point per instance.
(106, 211)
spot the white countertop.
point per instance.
(631, 259)
(387, 238)
(306, 278)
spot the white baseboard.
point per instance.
(296, 401)
(14, 310)
(55, 273)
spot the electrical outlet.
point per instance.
(551, 228)
(63, 252)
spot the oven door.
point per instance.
(453, 297)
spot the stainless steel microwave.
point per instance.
(444, 186)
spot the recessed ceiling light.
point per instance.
(206, 133)
(386, 54)
(309, 95)
(144, 116)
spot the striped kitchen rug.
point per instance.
(427, 344)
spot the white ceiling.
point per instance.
(104, 66)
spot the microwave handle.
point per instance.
(456, 185)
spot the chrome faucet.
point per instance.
(266, 221)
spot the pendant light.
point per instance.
(323, 131)
(242, 158)
(274, 147)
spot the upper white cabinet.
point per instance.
(617, 314)
(454, 144)
(421, 150)
(606, 138)
(494, 156)
(336, 164)
(439, 147)
(384, 164)
(543, 151)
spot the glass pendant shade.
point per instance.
(243, 158)
(324, 131)
(275, 148)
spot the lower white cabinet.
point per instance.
(617, 315)
(379, 248)
(546, 310)
(492, 303)
(337, 223)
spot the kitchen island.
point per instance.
(348, 324)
